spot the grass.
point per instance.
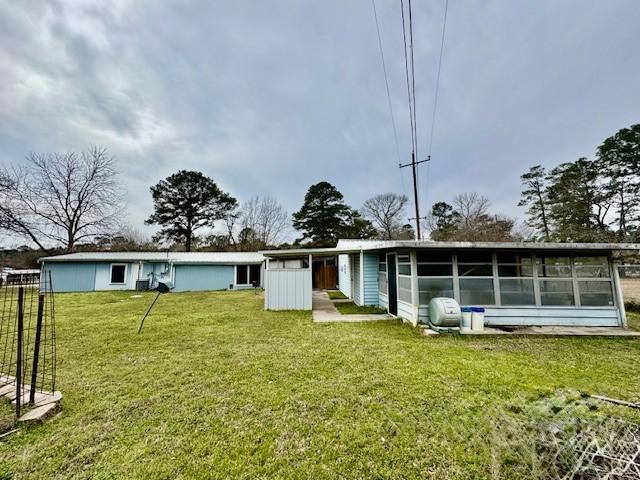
(215, 387)
(633, 319)
(351, 308)
(336, 295)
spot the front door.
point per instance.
(391, 282)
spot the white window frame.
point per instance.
(126, 270)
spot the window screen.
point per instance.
(476, 291)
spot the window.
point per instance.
(476, 291)
(475, 264)
(595, 294)
(594, 282)
(591, 267)
(429, 288)
(517, 291)
(475, 272)
(556, 292)
(382, 262)
(383, 286)
(515, 272)
(435, 275)
(242, 275)
(254, 274)
(118, 273)
(404, 289)
(404, 264)
(553, 266)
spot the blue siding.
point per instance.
(370, 270)
(72, 277)
(203, 277)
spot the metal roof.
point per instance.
(352, 246)
(224, 258)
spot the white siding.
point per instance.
(103, 277)
(288, 289)
(354, 260)
(344, 275)
(546, 316)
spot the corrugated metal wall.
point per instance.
(203, 277)
(72, 277)
(370, 270)
(288, 289)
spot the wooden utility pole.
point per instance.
(414, 169)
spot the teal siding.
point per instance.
(203, 277)
(370, 274)
(72, 276)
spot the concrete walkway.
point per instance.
(325, 311)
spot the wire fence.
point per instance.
(27, 339)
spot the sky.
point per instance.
(269, 97)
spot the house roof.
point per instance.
(222, 258)
(353, 246)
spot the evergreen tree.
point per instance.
(619, 160)
(185, 202)
(534, 196)
(324, 217)
(443, 221)
(578, 202)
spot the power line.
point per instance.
(437, 90)
(435, 99)
(406, 68)
(386, 82)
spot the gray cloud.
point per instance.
(270, 97)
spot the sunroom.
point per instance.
(531, 284)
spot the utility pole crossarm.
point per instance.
(413, 166)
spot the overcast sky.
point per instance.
(269, 97)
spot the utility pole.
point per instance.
(413, 164)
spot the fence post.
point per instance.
(19, 350)
(36, 350)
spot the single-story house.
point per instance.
(518, 283)
(187, 271)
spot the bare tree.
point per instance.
(386, 212)
(262, 222)
(471, 207)
(61, 198)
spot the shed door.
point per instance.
(391, 279)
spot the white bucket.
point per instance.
(465, 324)
(477, 319)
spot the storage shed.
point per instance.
(188, 271)
(518, 283)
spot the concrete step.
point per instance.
(39, 414)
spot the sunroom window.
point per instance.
(473, 270)
(435, 275)
(515, 272)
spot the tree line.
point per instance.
(63, 202)
(66, 202)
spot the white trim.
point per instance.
(415, 294)
(619, 298)
(362, 301)
(126, 270)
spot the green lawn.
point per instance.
(336, 295)
(215, 387)
(351, 308)
(633, 318)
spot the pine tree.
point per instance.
(185, 202)
(619, 160)
(534, 196)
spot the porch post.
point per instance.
(415, 294)
(362, 302)
(618, 293)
